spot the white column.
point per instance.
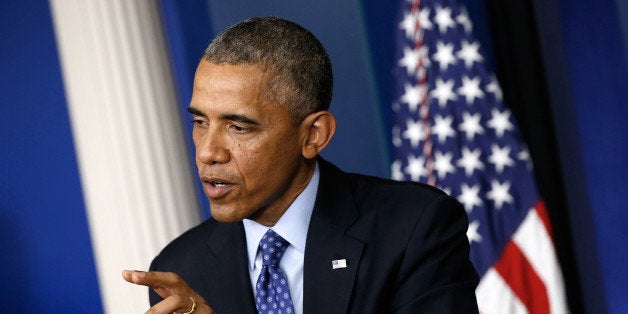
(136, 176)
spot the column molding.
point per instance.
(131, 150)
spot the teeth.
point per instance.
(218, 183)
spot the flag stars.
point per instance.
(500, 122)
(425, 61)
(471, 125)
(414, 132)
(442, 164)
(524, 156)
(409, 24)
(444, 55)
(443, 19)
(463, 19)
(444, 91)
(413, 23)
(469, 196)
(470, 161)
(442, 128)
(413, 96)
(410, 60)
(416, 167)
(424, 19)
(469, 52)
(395, 171)
(500, 157)
(472, 233)
(396, 136)
(458, 134)
(493, 88)
(470, 89)
(499, 193)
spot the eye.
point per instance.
(198, 122)
(239, 128)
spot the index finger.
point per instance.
(164, 283)
(153, 279)
(170, 286)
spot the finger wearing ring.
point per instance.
(193, 307)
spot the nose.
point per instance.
(212, 149)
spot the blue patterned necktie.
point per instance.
(272, 291)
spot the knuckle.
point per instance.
(173, 277)
(177, 298)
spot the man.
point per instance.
(345, 243)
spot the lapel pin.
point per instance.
(339, 263)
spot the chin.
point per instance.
(224, 214)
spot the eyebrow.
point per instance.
(195, 112)
(229, 116)
(239, 118)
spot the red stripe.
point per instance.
(523, 280)
(424, 109)
(541, 210)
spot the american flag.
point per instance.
(452, 130)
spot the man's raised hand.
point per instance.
(178, 296)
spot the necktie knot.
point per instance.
(272, 247)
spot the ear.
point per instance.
(319, 127)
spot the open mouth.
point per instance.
(216, 188)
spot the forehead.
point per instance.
(235, 89)
(221, 84)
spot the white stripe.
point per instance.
(495, 296)
(135, 173)
(536, 245)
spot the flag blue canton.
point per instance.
(452, 129)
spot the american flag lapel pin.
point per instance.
(339, 263)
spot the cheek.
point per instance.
(248, 158)
(262, 158)
(260, 163)
(289, 146)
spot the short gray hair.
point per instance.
(301, 77)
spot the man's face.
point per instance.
(248, 149)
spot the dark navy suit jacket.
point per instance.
(404, 243)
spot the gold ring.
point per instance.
(193, 307)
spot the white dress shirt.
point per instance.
(292, 226)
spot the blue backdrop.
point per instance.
(47, 262)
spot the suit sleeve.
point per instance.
(436, 275)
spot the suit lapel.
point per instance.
(228, 258)
(328, 290)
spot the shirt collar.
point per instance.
(292, 225)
